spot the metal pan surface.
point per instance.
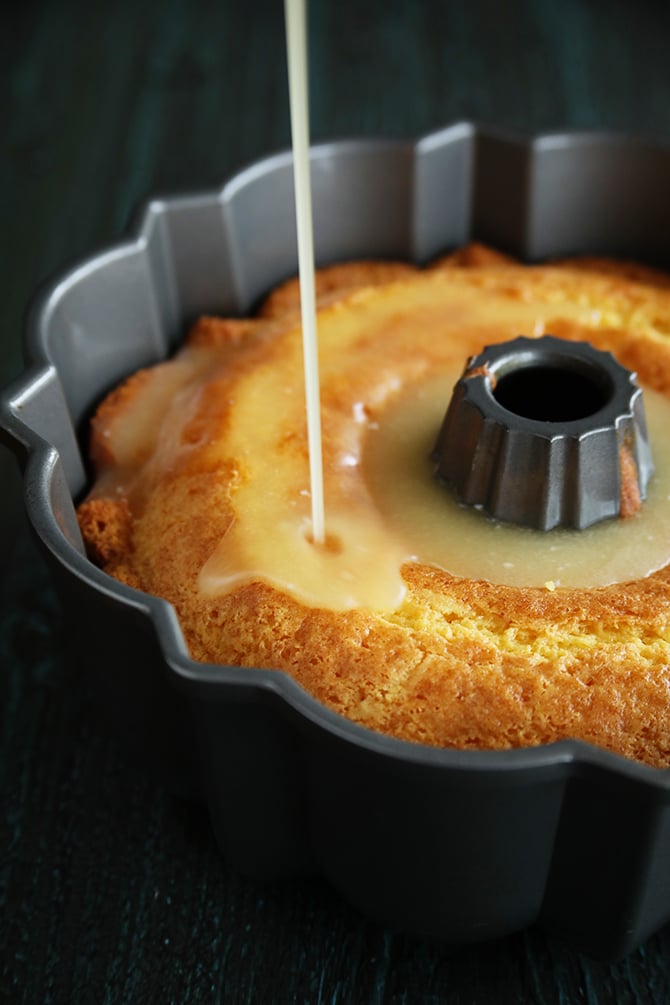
(458, 846)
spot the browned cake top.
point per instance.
(454, 661)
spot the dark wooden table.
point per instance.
(111, 890)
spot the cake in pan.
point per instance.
(471, 635)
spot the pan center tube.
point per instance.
(546, 433)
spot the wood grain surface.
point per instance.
(111, 891)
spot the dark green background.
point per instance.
(110, 890)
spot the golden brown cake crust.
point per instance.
(333, 282)
(460, 663)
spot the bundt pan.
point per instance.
(458, 846)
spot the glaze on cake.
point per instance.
(448, 660)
